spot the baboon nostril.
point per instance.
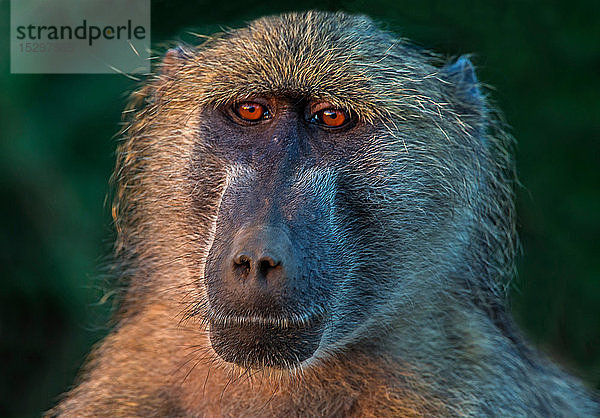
(265, 264)
(242, 260)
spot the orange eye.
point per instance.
(251, 111)
(332, 117)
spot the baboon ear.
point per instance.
(172, 61)
(461, 75)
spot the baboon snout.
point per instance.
(262, 313)
(262, 257)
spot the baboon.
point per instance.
(315, 218)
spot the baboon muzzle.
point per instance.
(255, 316)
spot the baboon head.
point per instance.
(311, 181)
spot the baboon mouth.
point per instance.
(257, 342)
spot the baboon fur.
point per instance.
(423, 215)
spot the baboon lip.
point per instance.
(305, 320)
(258, 342)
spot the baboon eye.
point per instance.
(331, 118)
(251, 111)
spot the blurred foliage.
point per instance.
(57, 150)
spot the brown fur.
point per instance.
(452, 350)
(185, 379)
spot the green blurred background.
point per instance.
(57, 151)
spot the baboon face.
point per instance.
(330, 172)
(278, 256)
